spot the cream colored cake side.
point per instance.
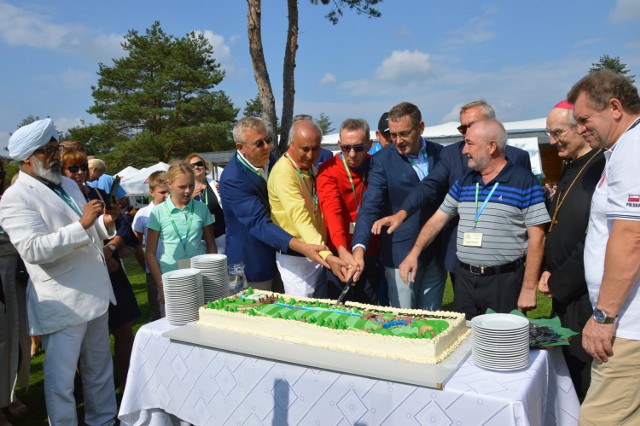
(429, 351)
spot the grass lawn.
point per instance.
(34, 396)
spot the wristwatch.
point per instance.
(601, 317)
(113, 247)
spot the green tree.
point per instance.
(614, 64)
(253, 108)
(28, 120)
(158, 102)
(325, 124)
(260, 71)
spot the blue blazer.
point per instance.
(391, 179)
(453, 165)
(251, 236)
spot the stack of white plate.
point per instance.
(182, 295)
(500, 342)
(215, 277)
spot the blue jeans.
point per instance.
(425, 293)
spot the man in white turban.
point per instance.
(59, 236)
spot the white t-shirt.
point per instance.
(139, 224)
(616, 197)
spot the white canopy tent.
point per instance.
(136, 183)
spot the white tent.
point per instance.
(127, 172)
(137, 182)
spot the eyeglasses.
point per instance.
(557, 134)
(77, 167)
(197, 164)
(357, 148)
(464, 127)
(261, 143)
(402, 135)
(51, 150)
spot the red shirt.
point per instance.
(338, 203)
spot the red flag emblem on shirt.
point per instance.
(633, 199)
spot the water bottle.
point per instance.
(237, 280)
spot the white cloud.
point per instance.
(403, 64)
(328, 78)
(474, 32)
(23, 27)
(221, 50)
(625, 10)
(63, 124)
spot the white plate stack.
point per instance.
(500, 342)
(215, 277)
(183, 295)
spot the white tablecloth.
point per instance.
(170, 380)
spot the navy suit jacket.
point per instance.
(453, 166)
(391, 179)
(251, 236)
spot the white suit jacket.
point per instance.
(69, 283)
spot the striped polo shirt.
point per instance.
(516, 204)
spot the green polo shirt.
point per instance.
(180, 231)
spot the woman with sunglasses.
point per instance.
(121, 316)
(207, 192)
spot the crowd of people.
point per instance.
(390, 225)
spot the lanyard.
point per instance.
(484, 205)
(422, 173)
(311, 190)
(353, 187)
(204, 198)
(175, 228)
(62, 194)
(249, 166)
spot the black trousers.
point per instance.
(473, 294)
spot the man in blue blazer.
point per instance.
(251, 236)
(395, 172)
(451, 167)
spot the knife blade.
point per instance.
(345, 291)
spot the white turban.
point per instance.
(24, 141)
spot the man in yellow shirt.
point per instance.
(294, 208)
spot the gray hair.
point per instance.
(487, 109)
(492, 129)
(296, 121)
(356, 124)
(247, 123)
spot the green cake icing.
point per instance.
(324, 314)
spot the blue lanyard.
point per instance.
(484, 205)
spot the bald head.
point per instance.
(561, 128)
(305, 137)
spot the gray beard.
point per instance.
(49, 174)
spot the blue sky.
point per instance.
(520, 56)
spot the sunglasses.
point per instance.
(357, 148)
(464, 127)
(262, 142)
(77, 167)
(197, 164)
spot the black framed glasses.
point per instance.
(197, 164)
(402, 135)
(261, 143)
(356, 147)
(77, 167)
(51, 150)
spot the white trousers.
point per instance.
(301, 276)
(88, 343)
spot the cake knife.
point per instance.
(345, 291)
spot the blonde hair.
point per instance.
(207, 165)
(157, 178)
(179, 168)
(96, 163)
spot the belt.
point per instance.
(492, 270)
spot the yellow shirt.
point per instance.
(292, 205)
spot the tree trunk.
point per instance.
(260, 72)
(288, 78)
